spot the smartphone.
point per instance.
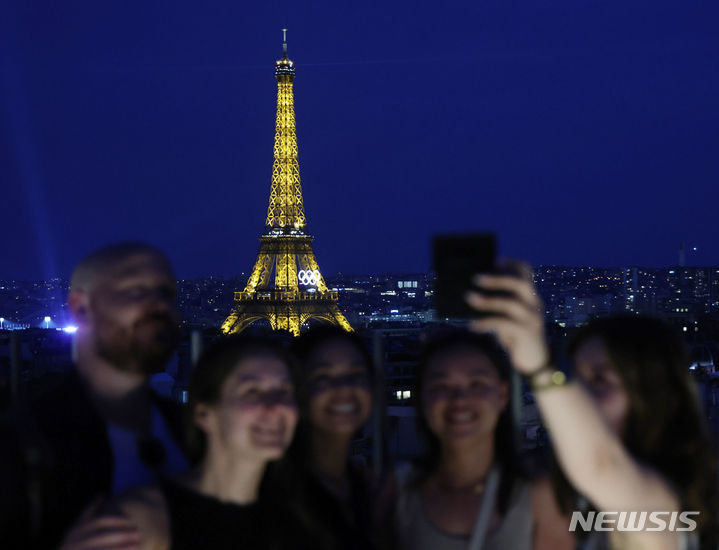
(456, 259)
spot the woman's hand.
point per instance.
(518, 322)
(106, 532)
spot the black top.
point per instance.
(347, 521)
(200, 521)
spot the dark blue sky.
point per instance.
(581, 132)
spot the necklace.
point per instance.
(475, 487)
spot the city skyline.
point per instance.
(138, 123)
(571, 295)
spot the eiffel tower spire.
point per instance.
(286, 208)
(298, 292)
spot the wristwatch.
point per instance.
(546, 377)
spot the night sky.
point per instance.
(583, 133)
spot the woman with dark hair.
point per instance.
(467, 491)
(243, 417)
(335, 397)
(627, 432)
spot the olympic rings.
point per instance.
(309, 278)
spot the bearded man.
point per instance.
(101, 429)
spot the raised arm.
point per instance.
(591, 455)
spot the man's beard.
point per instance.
(128, 351)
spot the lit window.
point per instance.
(406, 394)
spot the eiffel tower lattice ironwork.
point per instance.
(299, 292)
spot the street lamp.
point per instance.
(2, 322)
(47, 321)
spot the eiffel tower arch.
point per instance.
(285, 287)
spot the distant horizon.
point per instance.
(381, 273)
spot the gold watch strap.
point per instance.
(547, 377)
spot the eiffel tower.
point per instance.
(299, 292)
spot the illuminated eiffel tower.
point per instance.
(299, 292)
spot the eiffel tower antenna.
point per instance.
(298, 292)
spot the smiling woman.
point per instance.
(466, 491)
(626, 365)
(243, 417)
(335, 398)
(617, 448)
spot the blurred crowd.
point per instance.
(260, 456)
